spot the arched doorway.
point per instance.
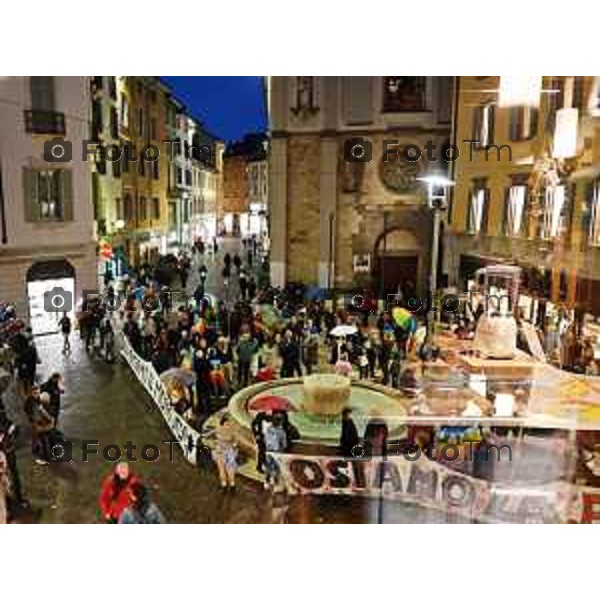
(397, 262)
(50, 293)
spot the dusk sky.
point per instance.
(228, 106)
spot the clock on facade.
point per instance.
(399, 175)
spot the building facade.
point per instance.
(536, 204)
(338, 220)
(130, 193)
(46, 211)
(255, 222)
(245, 174)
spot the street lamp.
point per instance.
(437, 191)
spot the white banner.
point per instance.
(186, 435)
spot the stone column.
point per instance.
(328, 206)
(278, 209)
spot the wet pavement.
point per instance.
(105, 403)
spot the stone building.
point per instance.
(46, 212)
(537, 205)
(338, 220)
(242, 201)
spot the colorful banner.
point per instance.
(433, 485)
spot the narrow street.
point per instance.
(106, 403)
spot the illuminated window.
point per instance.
(124, 112)
(49, 195)
(477, 217)
(555, 212)
(591, 215)
(514, 222)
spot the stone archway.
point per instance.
(398, 261)
(50, 293)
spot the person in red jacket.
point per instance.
(115, 495)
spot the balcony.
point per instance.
(45, 122)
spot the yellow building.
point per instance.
(130, 194)
(527, 193)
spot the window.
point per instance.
(143, 209)
(554, 217)
(178, 175)
(477, 218)
(141, 122)
(579, 93)
(404, 94)
(48, 195)
(42, 93)
(591, 215)
(124, 112)
(96, 119)
(155, 208)
(188, 177)
(523, 123)
(514, 210)
(116, 168)
(142, 166)
(112, 87)
(114, 123)
(483, 124)
(155, 169)
(125, 159)
(172, 215)
(119, 208)
(127, 208)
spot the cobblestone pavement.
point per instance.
(104, 402)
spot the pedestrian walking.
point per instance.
(259, 423)
(65, 329)
(226, 454)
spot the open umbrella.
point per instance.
(404, 319)
(185, 376)
(343, 330)
(271, 403)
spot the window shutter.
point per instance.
(525, 217)
(42, 93)
(485, 210)
(534, 116)
(477, 122)
(492, 114)
(66, 180)
(505, 215)
(30, 199)
(588, 217)
(514, 124)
